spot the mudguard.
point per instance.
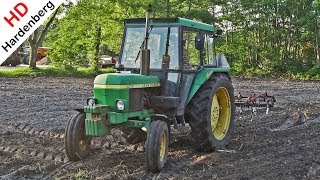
(203, 74)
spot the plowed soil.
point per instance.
(35, 111)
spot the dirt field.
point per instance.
(35, 111)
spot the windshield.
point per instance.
(156, 43)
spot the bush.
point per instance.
(53, 72)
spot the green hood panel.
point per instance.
(109, 88)
(125, 81)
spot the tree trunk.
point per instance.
(36, 38)
(168, 8)
(33, 49)
(189, 8)
(97, 50)
(257, 56)
(33, 56)
(317, 50)
(317, 39)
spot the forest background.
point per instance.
(261, 38)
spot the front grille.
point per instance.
(135, 99)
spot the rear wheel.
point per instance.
(76, 142)
(157, 145)
(211, 113)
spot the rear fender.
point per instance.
(160, 117)
(202, 77)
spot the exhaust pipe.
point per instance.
(145, 52)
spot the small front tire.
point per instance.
(76, 142)
(157, 145)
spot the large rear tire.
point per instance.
(211, 113)
(76, 142)
(157, 145)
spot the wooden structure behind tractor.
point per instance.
(168, 75)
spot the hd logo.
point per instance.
(19, 19)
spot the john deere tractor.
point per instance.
(169, 76)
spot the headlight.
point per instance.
(91, 102)
(120, 105)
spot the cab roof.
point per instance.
(171, 21)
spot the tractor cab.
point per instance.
(189, 46)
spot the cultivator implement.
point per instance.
(254, 101)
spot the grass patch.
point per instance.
(300, 74)
(311, 74)
(52, 72)
(81, 174)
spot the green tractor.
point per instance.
(168, 76)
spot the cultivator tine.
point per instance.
(239, 109)
(253, 112)
(268, 109)
(254, 101)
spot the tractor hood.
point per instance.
(110, 88)
(125, 81)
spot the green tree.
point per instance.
(36, 39)
(89, 29)
(261, 37)
(94, 27)
(276, 36)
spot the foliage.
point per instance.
(74, 38)
(270, 37)
(36, 38)
(311, 74)
(261, 38)
(82, 174)
(52, 72)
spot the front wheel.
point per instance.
(157, 145)
(211, 113)
(76, 142)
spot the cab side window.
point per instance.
(189, 52)
(191, 56)
(208, 51)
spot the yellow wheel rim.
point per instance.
(220, 113)
(163, 146)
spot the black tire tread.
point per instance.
(72, 148)
(198, 114)
(153, 145)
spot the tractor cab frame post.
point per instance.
(145, 52)
(165, 65)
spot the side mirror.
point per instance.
(199, 42)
